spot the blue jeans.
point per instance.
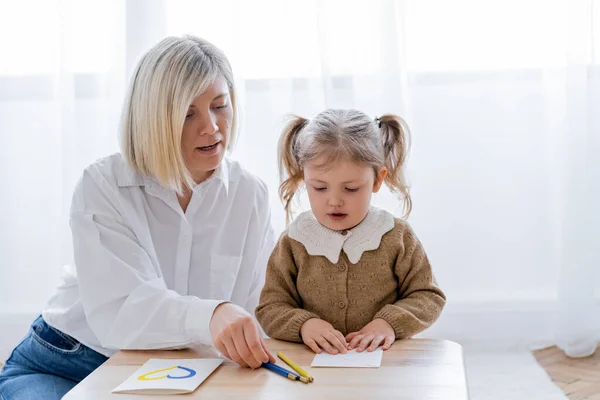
(46, 365)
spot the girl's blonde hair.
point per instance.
(348, 135)
(166, 80)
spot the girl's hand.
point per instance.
(318, 334)
(372, 335)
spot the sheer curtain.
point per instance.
(500, 96)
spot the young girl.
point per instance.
(346, 275)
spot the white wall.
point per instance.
(485, 177)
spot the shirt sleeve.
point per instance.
(122, 291)
(258, 280)
(421, 300)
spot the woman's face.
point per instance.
(206, 130)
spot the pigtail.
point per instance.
(290, 172)
(396, 145)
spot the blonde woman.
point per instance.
(171, 239)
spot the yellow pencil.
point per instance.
(295, 366)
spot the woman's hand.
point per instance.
(236, 334)
(372, 335)
(318, 334)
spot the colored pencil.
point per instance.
(295, 366)
(284, 372)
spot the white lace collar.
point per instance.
(321, 241)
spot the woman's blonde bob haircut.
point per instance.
(165, 81)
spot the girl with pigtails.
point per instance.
(346, 275)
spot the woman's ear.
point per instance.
(379, 178)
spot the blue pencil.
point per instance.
(284, 372)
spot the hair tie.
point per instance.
(378, 122)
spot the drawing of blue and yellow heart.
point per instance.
(151, 376)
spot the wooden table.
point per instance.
(415, 369)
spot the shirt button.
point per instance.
(341, 304)
(344, 233)
(342, 267)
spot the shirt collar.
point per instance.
(222, 174)
(321, 241)
(128, 176)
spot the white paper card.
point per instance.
(169, 376)
(352, 359)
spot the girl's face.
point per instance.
(340, 194)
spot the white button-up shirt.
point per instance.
(149, 276)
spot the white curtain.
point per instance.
(501, 97)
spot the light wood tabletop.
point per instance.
(414, 369)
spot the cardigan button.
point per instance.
(341, 304)
(342, 267)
